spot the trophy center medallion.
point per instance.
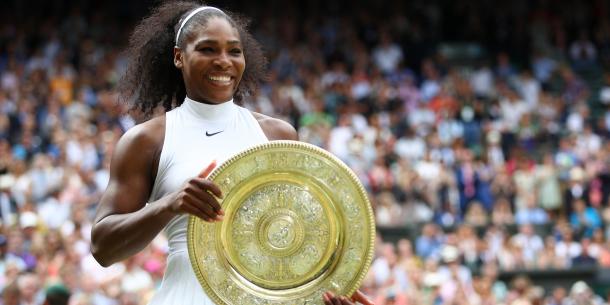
(280, 233)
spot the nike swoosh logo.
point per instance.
(211, 134)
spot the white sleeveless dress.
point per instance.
(195, 135)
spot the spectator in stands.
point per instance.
(543, 67)
(581, 293)
(502, 214)
(547, 185)
(29, 289)
(531, 213)
(510, 256)
(567, 248)
(583, 52)
(518, 295)
(529, 242)
(456, 278)
(387, 56)
(431, 85)
(388, 274)
(557, 297)
(548, 259)
(584, 259)
(585, 220)
(429, 243)
(476, 215)
(407, 259)
(16, 252)
(504, 68)
(56, 295)
(11, 295)
(575, 90)
(468, 180)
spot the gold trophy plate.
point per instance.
(297, 223)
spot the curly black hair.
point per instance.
(152, 80)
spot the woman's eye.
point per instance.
(206, 50)
(236, 51)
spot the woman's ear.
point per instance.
(178, 57)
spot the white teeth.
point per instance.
(220, 78)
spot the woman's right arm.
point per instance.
(124, 223)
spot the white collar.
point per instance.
(212, 112)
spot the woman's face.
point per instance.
(212, 62)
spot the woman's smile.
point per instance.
(221, 80)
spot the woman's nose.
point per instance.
(223, 61)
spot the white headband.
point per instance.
(189, 16)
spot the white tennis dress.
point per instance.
(195, 135)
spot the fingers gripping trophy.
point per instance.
(252, 215)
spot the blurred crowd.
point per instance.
(498, 161)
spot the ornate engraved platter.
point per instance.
(297, 223)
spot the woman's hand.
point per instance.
(198, 197)
(330, 299)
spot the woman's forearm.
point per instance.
(119, 236)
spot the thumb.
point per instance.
(206, 172)
(361, 298)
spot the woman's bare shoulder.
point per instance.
(275, 129)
